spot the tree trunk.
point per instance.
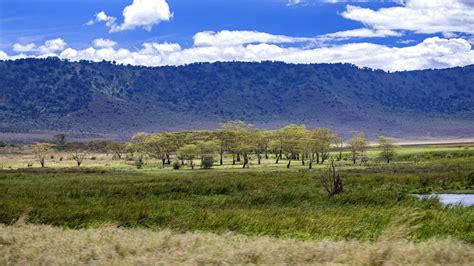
(310, 163)
(259, 158)
(266, 154)
(289, 163)
(163, 162)
(79, 164)
(317, 157)
(233, 159)
(278, 157)
(246, 161)
(238, 157)
(42, 163)
(302, 159)
(221, 161)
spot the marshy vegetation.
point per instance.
(278, 193)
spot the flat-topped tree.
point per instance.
(188, 152)
(289, 138)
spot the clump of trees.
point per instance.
(238, 140)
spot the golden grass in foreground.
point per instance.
(46, 245)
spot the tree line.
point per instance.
(237, 139)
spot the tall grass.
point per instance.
(276, 203)
(45, 245)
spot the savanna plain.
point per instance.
(112, 210)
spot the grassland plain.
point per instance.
(46, 245)
(266, 201)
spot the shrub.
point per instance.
(139, 162)
(207, 161)
(93, 158)
(176, 165)
(2, 144)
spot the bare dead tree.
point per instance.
(79, 156)
(331, 180)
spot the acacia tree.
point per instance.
(339, 143)
(261, 141)
(357, 145)
(79, 156)
(188, 152)
(388, 148)
(118, 149)
(245, 144)
(225, 139)
(206, 149)
(231, 131)
(59, 141)
(289, 138)
(41, 151)
(138, 148)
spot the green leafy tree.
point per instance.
(387, 146)
(206, 149)
(289, 138)
(188, 152)
(357, 145)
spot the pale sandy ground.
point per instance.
(46, 245)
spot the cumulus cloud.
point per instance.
(22, 48)
(420, 16)
(52, 46)
(48, 48)
(103, 43)
(433, 52)
(140, 14)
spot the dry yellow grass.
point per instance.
(46, 245)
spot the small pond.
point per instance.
(464, 199)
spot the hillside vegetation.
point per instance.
(50, 94)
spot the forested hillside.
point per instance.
(50, 94)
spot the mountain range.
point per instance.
(117, 100)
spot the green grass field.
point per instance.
(262, 200)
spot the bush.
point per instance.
(207, 161)
(176, 165)
(93, 158)
(139, 162)
(2, 144)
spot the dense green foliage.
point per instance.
(282, 203)
(55, 94)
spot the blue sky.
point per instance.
(392, 35)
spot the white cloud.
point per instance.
(228, 38)
(140, 14)
(52, 46)
(48, 48)
(22, 48)
(362, 33)
(103, 43)
(433, 52)
(420, 16)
